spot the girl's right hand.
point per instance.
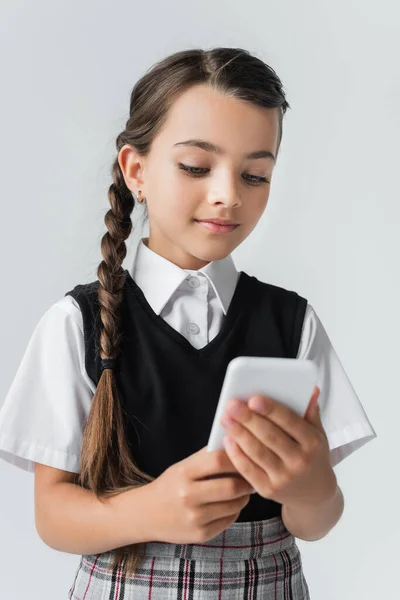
(187, 506)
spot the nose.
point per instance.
(225, 193)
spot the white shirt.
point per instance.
(46, 409)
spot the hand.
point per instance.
(196, 498)
(285, 457)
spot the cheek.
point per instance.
(259, 206)
(173, 208)
(182, 202)
(254, 213)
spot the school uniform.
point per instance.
(181, 329)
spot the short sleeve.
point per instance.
(344, 419)
(45, 411)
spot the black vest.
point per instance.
(168, 389)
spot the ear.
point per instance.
(132, 167)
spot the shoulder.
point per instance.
(83, 298)
(84, 290)
(271, 290)
(88, 292)
(65, 314)
(63, 317)
(312, 325)
(68, 305)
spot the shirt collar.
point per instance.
(158, 278)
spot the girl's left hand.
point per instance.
(285, 457)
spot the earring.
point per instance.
(141, 200)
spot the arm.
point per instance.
(310, 522)
(71, 519)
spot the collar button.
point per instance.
(194, 282)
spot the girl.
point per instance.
(113, 402)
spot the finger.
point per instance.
(254, 448)
(313, 413)
(203, 464)
(285, 418)
(219, 488)
(253, 473)
(284, 446)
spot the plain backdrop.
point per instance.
(330, 231)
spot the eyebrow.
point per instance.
(209, 147)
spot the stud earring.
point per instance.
(141, 200)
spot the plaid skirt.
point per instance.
(254, 560)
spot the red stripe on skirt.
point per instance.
(90, 577)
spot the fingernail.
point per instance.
(257, 404)
(227, 422)
(235, 408)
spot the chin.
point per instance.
(210, 252)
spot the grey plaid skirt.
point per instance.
(254, 560)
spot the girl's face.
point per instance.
(224, 184)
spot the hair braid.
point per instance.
(107, 467)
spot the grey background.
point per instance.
(330, 231)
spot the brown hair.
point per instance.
(106, 465)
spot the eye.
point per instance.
(194, 172)
(257, 179)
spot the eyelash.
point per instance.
(190, 170)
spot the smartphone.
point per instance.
(290, 381)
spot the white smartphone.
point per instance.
(289, 381)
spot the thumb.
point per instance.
(313, 414)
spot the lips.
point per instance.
(218, 225)
(218, 221)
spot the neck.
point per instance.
(177, 256)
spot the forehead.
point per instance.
(235, 125)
